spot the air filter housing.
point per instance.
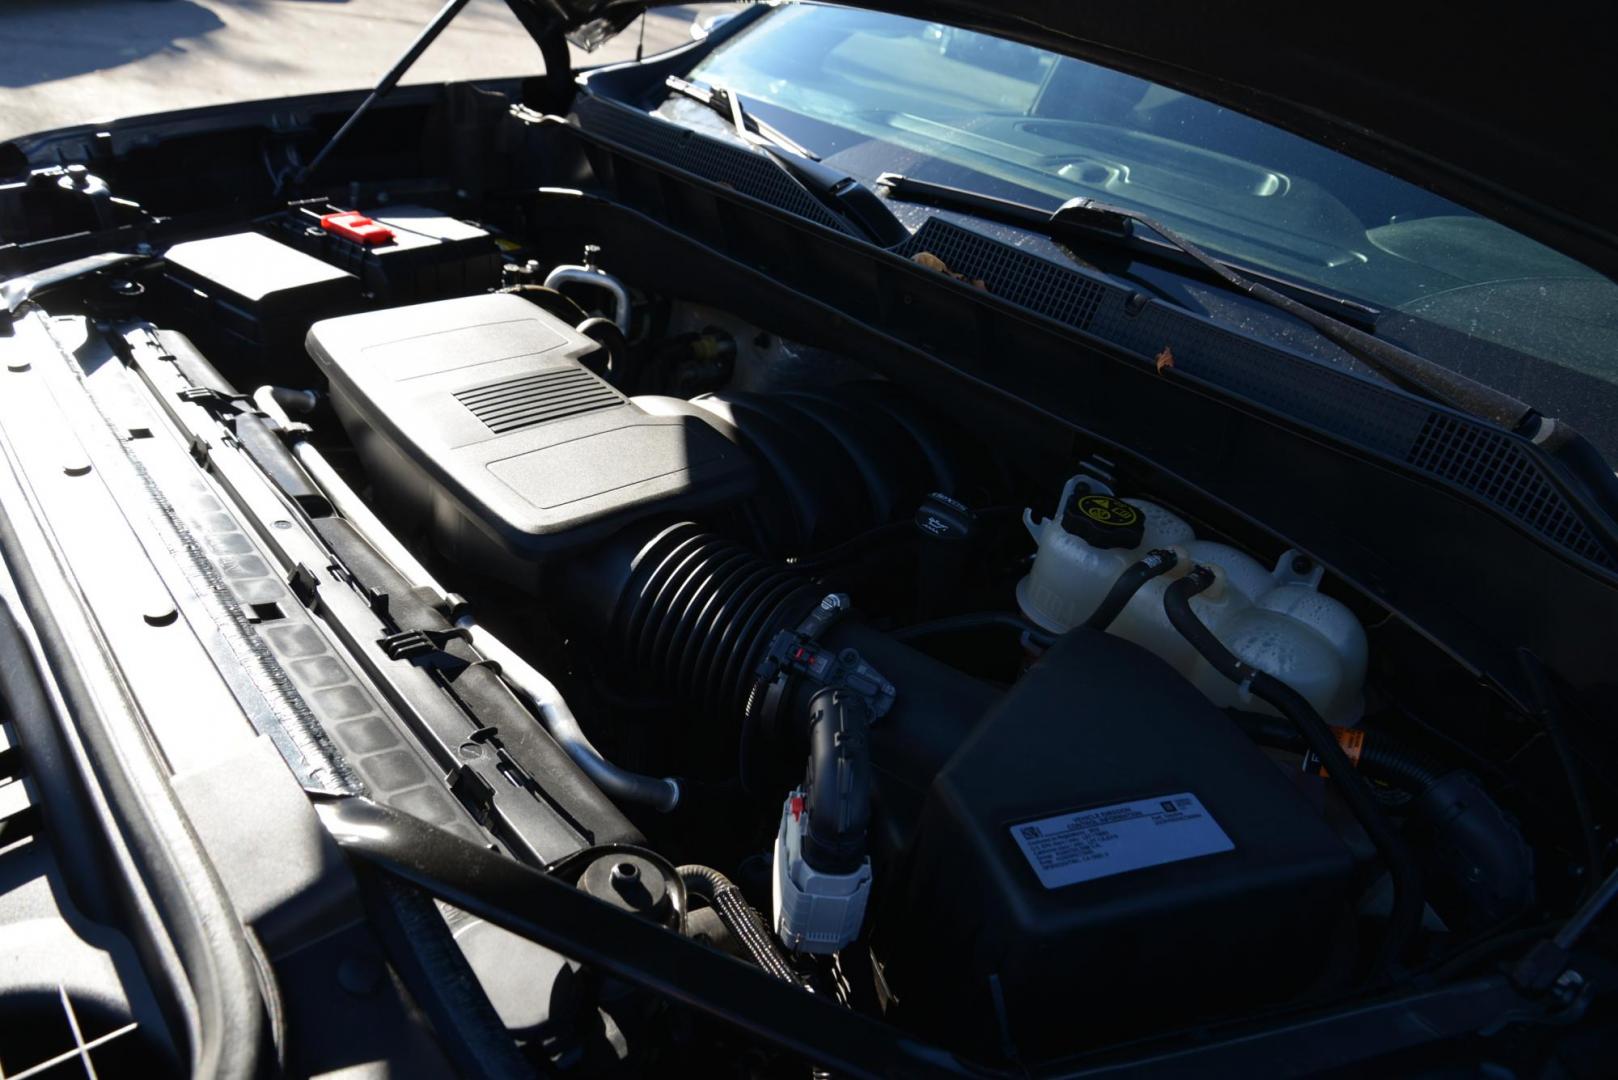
(476, 418)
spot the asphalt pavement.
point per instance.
(76, 61)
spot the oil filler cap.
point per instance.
(1104, 521)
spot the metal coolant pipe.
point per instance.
(596, 278)
(662, 793)
(538, 692)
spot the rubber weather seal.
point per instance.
(280, 713)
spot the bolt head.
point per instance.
(1568, 986)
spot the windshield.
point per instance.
(877, 92)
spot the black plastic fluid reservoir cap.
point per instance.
(1104, 521)
(629, 882)
(943, 518)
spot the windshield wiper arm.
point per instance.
(1086, 219)
(728, 105)
(1103, 227)
(839, 192)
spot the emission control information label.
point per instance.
(1107, 840)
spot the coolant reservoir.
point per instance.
(1275, 620)
(1093, 538)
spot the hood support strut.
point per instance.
(428, 35)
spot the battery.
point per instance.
(412, 253)
(248, 299)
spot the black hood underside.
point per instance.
(1508, 115)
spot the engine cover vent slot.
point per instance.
(531, 400)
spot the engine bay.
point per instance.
(1019, 746)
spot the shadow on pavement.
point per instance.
(46, 40)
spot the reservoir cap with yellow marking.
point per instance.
(1104, 521)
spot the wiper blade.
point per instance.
(1106, 224)
(839, 192)
(728, 105)
(1085, 219)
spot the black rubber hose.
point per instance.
(1158, 561)
(977, 620)
(622, 371)
(692, 615)
(687, 611)
(295, 402)
(744, 923)
(1407, 892)
(1481, 868)
(1381, 757)
(1402, 768)
(837, 785)
(553, 301)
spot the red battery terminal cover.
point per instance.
(354, 226)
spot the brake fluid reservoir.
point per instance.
(1275, 620)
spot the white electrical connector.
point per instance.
(814, 912)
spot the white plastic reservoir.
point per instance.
(1275, 620)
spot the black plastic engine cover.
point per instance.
(476, 416)
(1107, 852)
